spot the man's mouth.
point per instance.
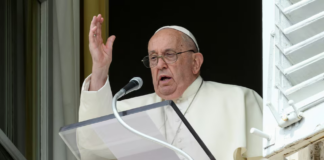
(164, 78)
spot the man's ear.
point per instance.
(198, 60)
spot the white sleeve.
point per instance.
(94, 104)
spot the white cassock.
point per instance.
(221, 114)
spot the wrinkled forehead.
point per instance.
(165, 39)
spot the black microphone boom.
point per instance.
(134, 84)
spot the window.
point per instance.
(20, 81)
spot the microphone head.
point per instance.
(139, 81)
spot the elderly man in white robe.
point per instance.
(221, 114)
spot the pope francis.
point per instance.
(221, 114)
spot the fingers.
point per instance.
(95, 29)
(93, 22)
(98, 24)
(92, 32)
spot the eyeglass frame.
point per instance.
(162, 56)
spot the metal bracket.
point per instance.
(270, 139)
(260, 134)
(286, 120)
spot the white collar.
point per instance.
(192, 89)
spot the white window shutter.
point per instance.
(293, 78)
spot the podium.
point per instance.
(105, 138)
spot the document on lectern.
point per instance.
(105, 138)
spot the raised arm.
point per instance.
(96, 96)
(101, 54)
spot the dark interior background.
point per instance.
(229, 35)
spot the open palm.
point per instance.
(101, 53)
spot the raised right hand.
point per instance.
(101, 54)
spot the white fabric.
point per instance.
(66, 86)
(183, 30)
(221, 114)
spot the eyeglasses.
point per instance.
(169, 57)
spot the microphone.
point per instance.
(133, 85)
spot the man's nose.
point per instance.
(161, 63)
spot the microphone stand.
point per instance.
(121, 93)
